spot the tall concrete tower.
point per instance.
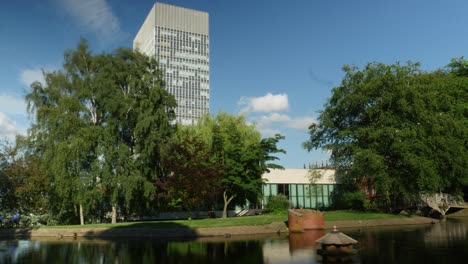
(179, 39)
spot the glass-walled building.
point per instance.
(303, 188)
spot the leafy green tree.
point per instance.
(98, 127)
(32, 184)
(62, 130)
(138, 123)
(8, 198)
(402, 127)
(24, 186)
(242, 154)
(193, 180)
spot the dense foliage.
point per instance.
(404, 128)
(24, 186)
(220, 157)
(355, 200)
(98, 125)
(277, 204)
(193, 175)
(243, 155)
(103, 142)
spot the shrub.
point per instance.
(351, 200)
(32, 220)
(277, 204)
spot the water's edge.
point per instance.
(277, 227)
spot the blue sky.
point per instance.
(274, 61)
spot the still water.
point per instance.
(438, 243)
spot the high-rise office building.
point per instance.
(179, 38)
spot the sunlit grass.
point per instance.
(236, 221)
(355, 215)
(194, 223)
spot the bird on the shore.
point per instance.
(227, 235)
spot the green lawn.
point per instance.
(353, 215)
(236, 221)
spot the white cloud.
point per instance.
(267, 103)
(273, 121)
(268, 132)
(12, 105)
(28, 76)
(13, 117)
(300, 123)
(8, 128)
(275, 117)
(94, 15)
(263, 121)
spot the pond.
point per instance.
(439, 243)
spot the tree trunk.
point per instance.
(81, 215)
(226, 203)
(114, 214)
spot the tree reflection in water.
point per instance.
(438, 243)
(130, 251)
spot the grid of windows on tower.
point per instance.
(184, 59)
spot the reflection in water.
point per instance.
(439, 243)
(130, 251)
(304, 240)
(300, 242)
(445, 235)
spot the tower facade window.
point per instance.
(179, 39)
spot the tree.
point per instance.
(242, 154)
(99, 124)
(140, 113)
(399, 126)
(193, 180)
(8, 198)
(65, 137)
(24, 186)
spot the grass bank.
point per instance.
(237, 221)
(354, 215)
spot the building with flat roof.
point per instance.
(179, 39)
(304, 188)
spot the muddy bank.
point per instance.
(277, 227)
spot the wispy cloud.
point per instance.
(319, 79)
(8, 128)
(95, 16)
(28, 76)
(13, 116)
(266, 120)
(300, 123)
(266, 113)
(12, 105)
(275, 119)
(269, 132)
(268, 103)
(13, 113)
